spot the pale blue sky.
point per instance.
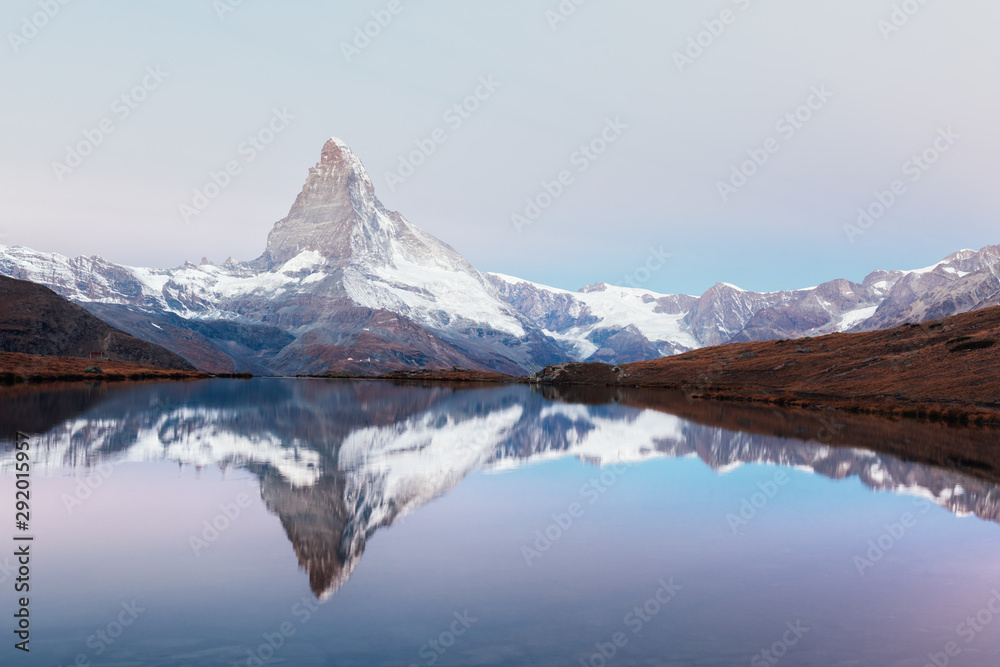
(656, 185)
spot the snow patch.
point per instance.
(852, 318)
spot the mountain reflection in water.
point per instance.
(337, 460)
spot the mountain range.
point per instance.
(346, 286)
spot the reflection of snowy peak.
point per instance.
(186, 435)
(339, 461)
(416, 460)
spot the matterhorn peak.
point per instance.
(337, 196)
(338, 156)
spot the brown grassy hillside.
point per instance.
(945, 368)
(34, 320)
(16, 368)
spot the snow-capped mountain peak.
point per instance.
(340, 272)
(344, 284)
(337, 198)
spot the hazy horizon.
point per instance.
(199, 77)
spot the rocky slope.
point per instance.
(34, 320)
(960, 283)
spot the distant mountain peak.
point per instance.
(336, 197)
(338, 157)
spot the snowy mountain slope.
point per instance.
(618, 324)
(357, 287)
(588, 323)
(385, 262)
(578, 319)
(964, 281)
(832, 307)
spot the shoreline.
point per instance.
(17, 368)
(940, 370)
(943, 411)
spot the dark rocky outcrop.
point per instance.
(36, 320)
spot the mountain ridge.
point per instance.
(34, 320)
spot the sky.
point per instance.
(593, 141)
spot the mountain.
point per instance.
(960, 283)
(605, 323)
(344, 285)
(35, 320)
(337, 462)
(948, 368)
(609, 324)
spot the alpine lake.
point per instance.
(353, 523)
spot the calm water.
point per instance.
(349, 523)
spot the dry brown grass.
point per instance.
(947, 369)
(17, 368)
